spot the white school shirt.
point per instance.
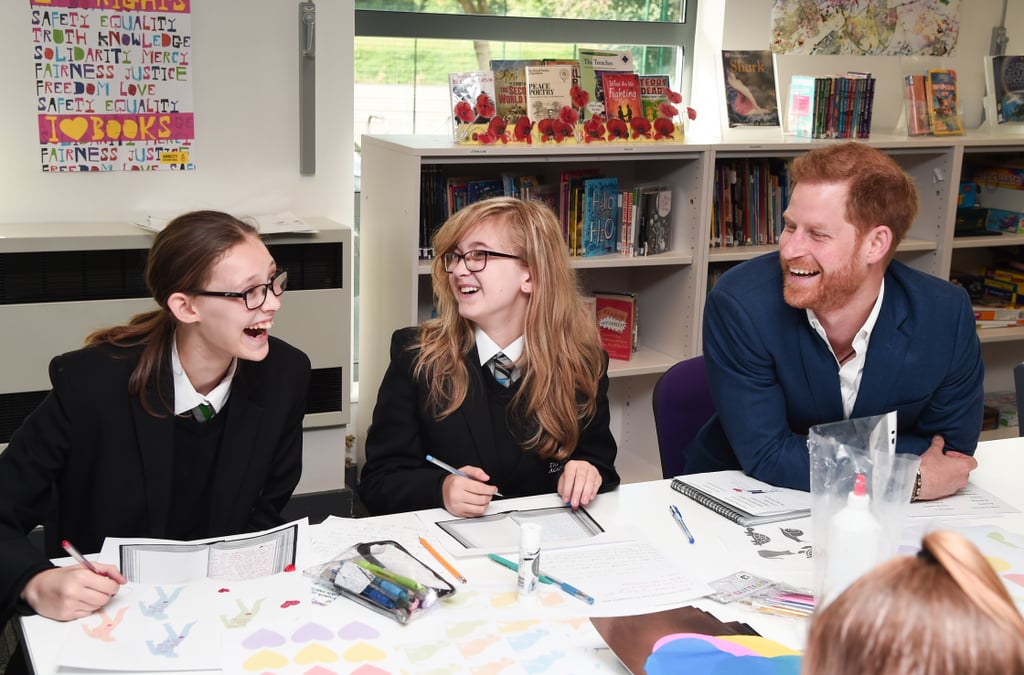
(487, 349)
(851, 372)
(185, 395)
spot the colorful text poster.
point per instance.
(865, 27)
(113, 84)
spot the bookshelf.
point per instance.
(396, 289)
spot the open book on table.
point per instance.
(743, 499)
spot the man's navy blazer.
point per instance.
(772, 377)
(109, 463)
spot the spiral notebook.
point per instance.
(743, 499)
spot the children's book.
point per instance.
(510, 87)
(465, 89)
(800, 115)
(593, 61)
(622, 95)
(943, 105)
(915, 101)
(547, 91)
(750, 98)
(1005, 80)
(653, 92)
(478, 190)
(657, 220)
(617, 323)
(600, 233)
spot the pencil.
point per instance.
(80, 559)
(437, 556)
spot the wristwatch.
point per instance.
(917, 487)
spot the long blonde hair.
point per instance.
(562, 361)
(942, 612)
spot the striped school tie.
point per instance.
(503, 367)
(202, 412)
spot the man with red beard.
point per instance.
(831, 328)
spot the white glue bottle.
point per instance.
(853, 541)
(529, 561)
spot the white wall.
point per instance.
(245, 63)
(746, 24)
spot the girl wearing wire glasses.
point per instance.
(507, 388)
(184, 423)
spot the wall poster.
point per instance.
(113, 81)
(866, 27)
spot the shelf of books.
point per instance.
(411, 182)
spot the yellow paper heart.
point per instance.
(75, 128)
(315, 653)
(265, 659)
(363, 652)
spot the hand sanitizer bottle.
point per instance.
(853, 541)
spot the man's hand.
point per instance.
(467, 497)
(943, 473)
(579, 483)
(66, 593)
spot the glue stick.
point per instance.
(529, 561)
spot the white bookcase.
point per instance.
(60, 281)
(395, 283)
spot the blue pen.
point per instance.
(451, 469)
(679, 519)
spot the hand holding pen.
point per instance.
(66, 593)
(466, 498)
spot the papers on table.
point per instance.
(560, 526)
(969, 501)
(274, 223)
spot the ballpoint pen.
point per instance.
(80, 559)
(451, 469)
(545, 579)
(679, 519)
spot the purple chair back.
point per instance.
(682, 405)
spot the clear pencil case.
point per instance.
(385, 577)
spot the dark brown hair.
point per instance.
(181, 258)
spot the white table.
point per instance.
(641, 509)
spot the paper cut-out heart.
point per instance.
(289, 603)
(265, 660)
(308, 632)
(75, 128)
(315, 653)
(223, 590)
(320, 670)
(357, 630)
(363, 652)
(263, 638)
(367, 669)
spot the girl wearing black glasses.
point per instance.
(184, 423)
(507, 387)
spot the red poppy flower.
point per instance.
(562, 130)
(580, 97)
(641, 127)
(617, 129)
(485, 106)
(664, 128)
(673, 96)
(691, 113)
(497, 126)
(568, 115)
(464, 112)
(546, 128)
(486, 138)
(668, 110)
(523, 129)
(593, 129)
